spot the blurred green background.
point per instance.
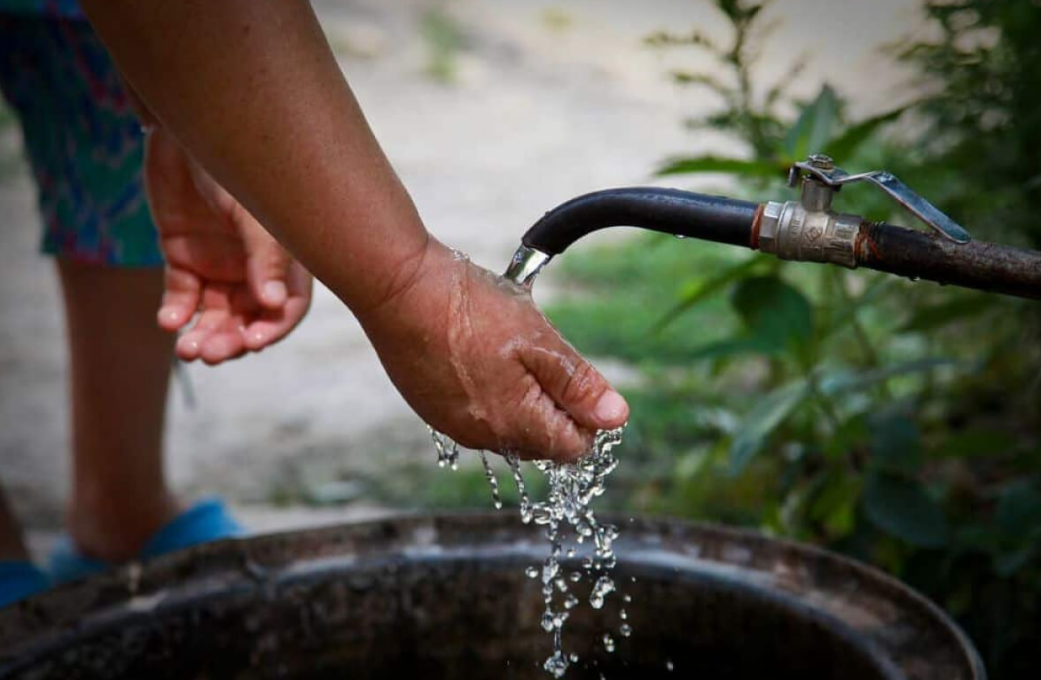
(899, 423)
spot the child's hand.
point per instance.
(248, 291)
(475, 358)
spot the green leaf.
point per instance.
(734, 346)
(834, 504)
(900, 507)
(815, 126)
(840, 381)
(843, 147)
(1018, 512)
(774, 311)
(731, 166)
(976, 442)
(1010, 563)
(850, 434)
(896, 443)
(937, 316)
(681, 77)
(704, 289)
(762, 420)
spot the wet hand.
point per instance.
(475, 358)
(229, 283)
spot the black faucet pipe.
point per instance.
(682, 213)
(883, 247)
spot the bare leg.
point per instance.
(120, 367)
(12, 546)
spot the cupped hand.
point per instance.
(243, 290)
(476, 359)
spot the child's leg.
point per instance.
(12, 546)
(85, 149)
(120, 366)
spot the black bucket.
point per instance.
(447, 597)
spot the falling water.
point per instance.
(492, 481)
(566, 510)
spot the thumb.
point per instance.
(576, 386)
(267, 264)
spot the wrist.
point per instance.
(400, 280)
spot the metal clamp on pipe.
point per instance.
(808, 230)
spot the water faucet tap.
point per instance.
(806, 230)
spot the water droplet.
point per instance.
(608, 642)
(668, 665)
(603, 586)
(548, 622)
(492, 481)
(625, 629)
(532, 572)
(556, 665)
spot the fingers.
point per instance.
(216, 335)
(575, 386)
(231, 323)
(273, 325)
(267, 264)
(549, 432)
(180, 299)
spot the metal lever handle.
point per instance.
(901, 193)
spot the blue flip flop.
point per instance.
(206, 521)
(19, 580)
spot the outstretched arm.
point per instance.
(251, 89)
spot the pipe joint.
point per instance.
(792, 231)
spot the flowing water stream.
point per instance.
(570, 525)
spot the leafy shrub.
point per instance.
(895, 422)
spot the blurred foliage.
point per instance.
(984, 110)
(444, 40)
(895, 422)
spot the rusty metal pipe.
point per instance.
(984, 266)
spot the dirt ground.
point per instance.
(545, 100)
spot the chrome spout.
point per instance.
(526, 265)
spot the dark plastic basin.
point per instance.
(447, 597)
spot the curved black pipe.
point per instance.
(682, 213)
(984, 266)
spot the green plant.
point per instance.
(982, 107)
(898, 423)
(444, 40)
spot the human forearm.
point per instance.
(252, 90)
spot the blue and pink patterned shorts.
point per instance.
(83, 141)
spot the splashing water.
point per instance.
(492, 481)
(447, 449)
(572, 488)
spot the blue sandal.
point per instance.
(206, 521)
(19, 580)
